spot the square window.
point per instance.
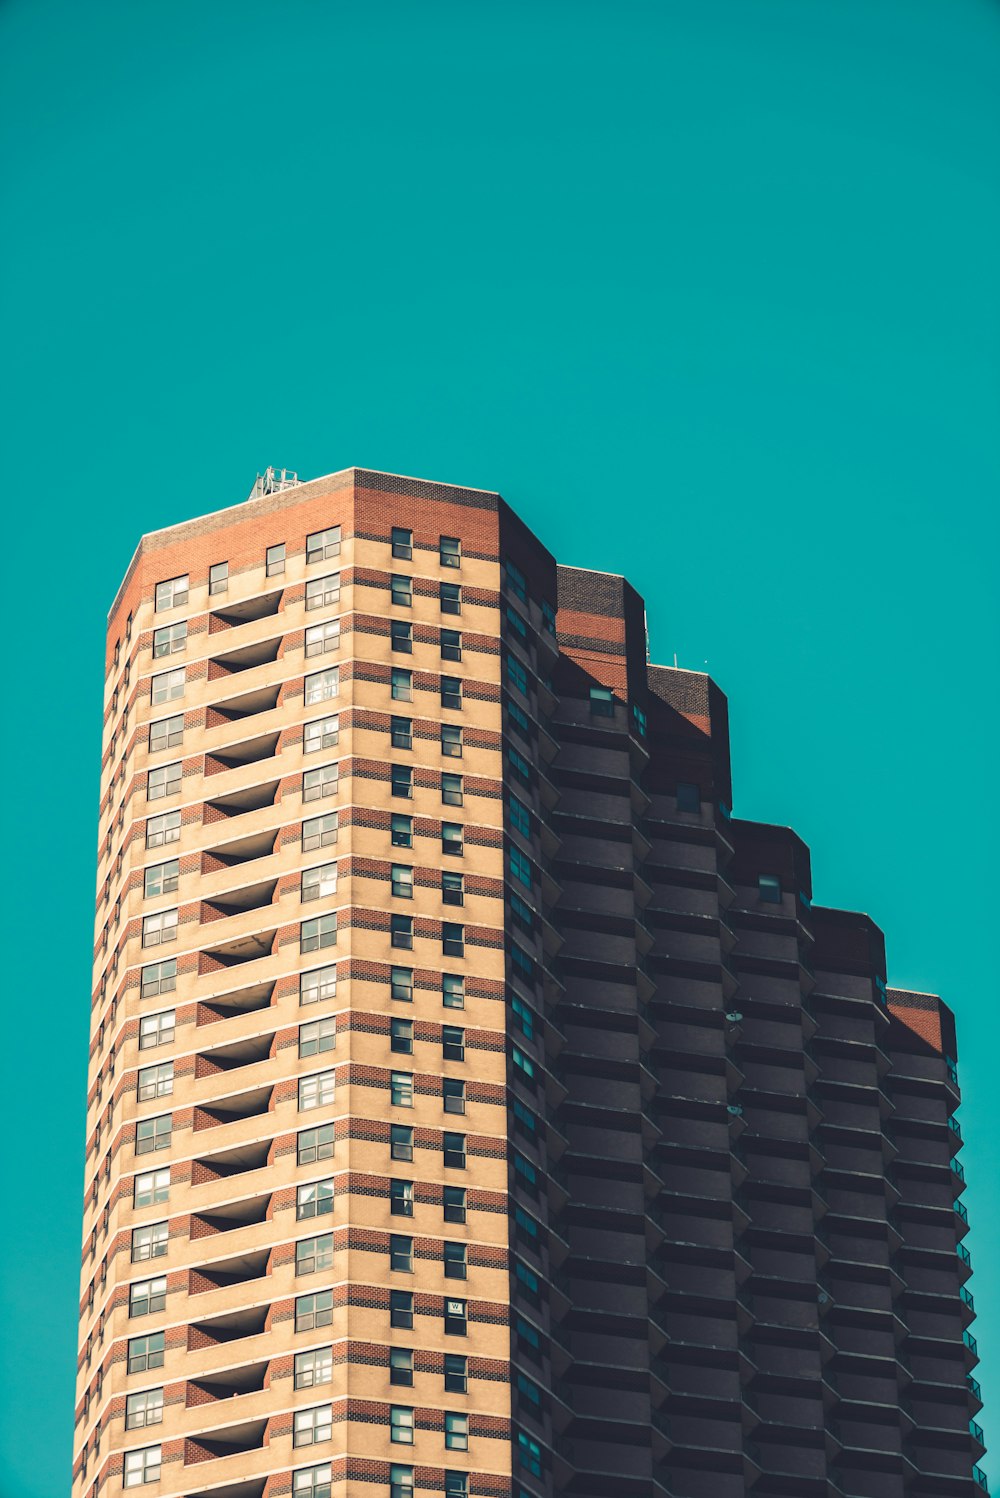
(317, 1091)
(402, 543)
(401, 1089)
(319, 932)
(401, 931)
(321, 733)
(450, 595)
(314, 1199)
(156, 1029)
(401, 1366)
(602, 702)
(141, 1466)
(159, 928)
(400, 1142)
(166, 733)
(320, 983)
(323, 592)
(318, 1036)
(401, 733)
(401, 1309)
(165, 780)
(451, 693)
(163, 829)
(312, 1145)
(322, 545)
(321, 686)
(451, 740)
(152, 1134)
(313, 1482)
(452, 991)
(159, 977)
(218, 578)
(275, 560)
(151, 1187)
(688, 796)
(401, 984)
(144, 1298)
(171, 593)
(401, 590)
(454, 1204)
(161, 879)
(146, 1352)
(769, 888)
(450, 551)
(313, 1254)
(313, 1368)
(312, 1426)
(150, 1242)
(320, 832)
(319, 882)
(155, 1081)
(321, 639)
(312, 1311)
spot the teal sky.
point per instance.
(709, 290)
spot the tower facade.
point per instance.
(476, 1107)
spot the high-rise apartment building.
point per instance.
(476, 1107)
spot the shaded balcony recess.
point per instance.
(239, 1270)
(238, 1001)
(232, 1215)
(246, 752)
(232, 615)
(227, 1163)
(228, 1385)
(239, 949)
(249, 1487)
(232, 1441)
(238, 901)
(245, 659)
(249, 1104)
(242, 850)
(247, 705)
(230, 1057)
(237, 803)
(233, 1326)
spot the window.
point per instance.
(402, 780)
(156, 1029)
(402, 590)
(155, 1081)
(321, 686)
(401, 1309)
(313, 1367)
(401, 984)
(531, 1392)
(312, 1482)
(321, 733)
(165, 780)
(145, 1353)
(451, 645)
(516, 719)
(402, 543)
(169, 639)
(153, 1134)
(452, 1043)
(401, 1198)
(314, 1199)
(452, 838)
(275, 560)
(450, 595)
(144, 1465)
(527, 1336)
(166, 733)
(402, 881)
(312, 1426)
(451, 693)
(522, 964)
(149, 1242)
(315, 1145)
(452, 889)
(145, 1297)
(401, 683)
(166, 828)
(456, 1485)
(456, 1431)
(451, 790)
(322, 545)
(401, 1425)
(527, 1281)
(524, 1120)
(313, 1254)
(401, 1366)
(323, 638)
(320, 832)
(519, 815)
(319, 932)
(523, 1063)
(400, 1142)
(455, 1264)
(452, 991)
(218, 578)
(454, 1204)
(521, 913)
(400, 1482)
(401, 733)
(519, 766)
(400, 1253)
(159, 977)
(319, 983)
(143, 1409)
(401, 1089)
(516, 623)
(769, 888)
(318, 1036)
(602, 702)
(520, 866)
(401, 831)
(451, 740)
(317, 1090)
(321, 592)
(455, 1318)
(319, 882)
(172, 593)
(529, 1454)
(401, 931)
(688, 796)
(401, 635)
(639, 721)
(161, 879)
(517, 675)
(312, 1311)
(450, 551)
(453, 1150)
(527, 1173)
(401, 1036)
(452, 939)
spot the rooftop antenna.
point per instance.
(272, 481)
(675, 660)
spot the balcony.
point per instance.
(227, 1163)
(231, 1057)
(231, 1216)
(236, 1001)
(235, 1109)
(238, 803)
(232, 615)
(246, 705)
(238, 949)
(250, 1487)
(240, 1269)
(232, 1327)
(238, 901)
(230, 1384)
(232, 1440)
(234, 662)
(240, 851)
(246, 752)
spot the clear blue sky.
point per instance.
(709, 290)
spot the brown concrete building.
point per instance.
(475, 1106)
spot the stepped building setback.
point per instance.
(476, 1107)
